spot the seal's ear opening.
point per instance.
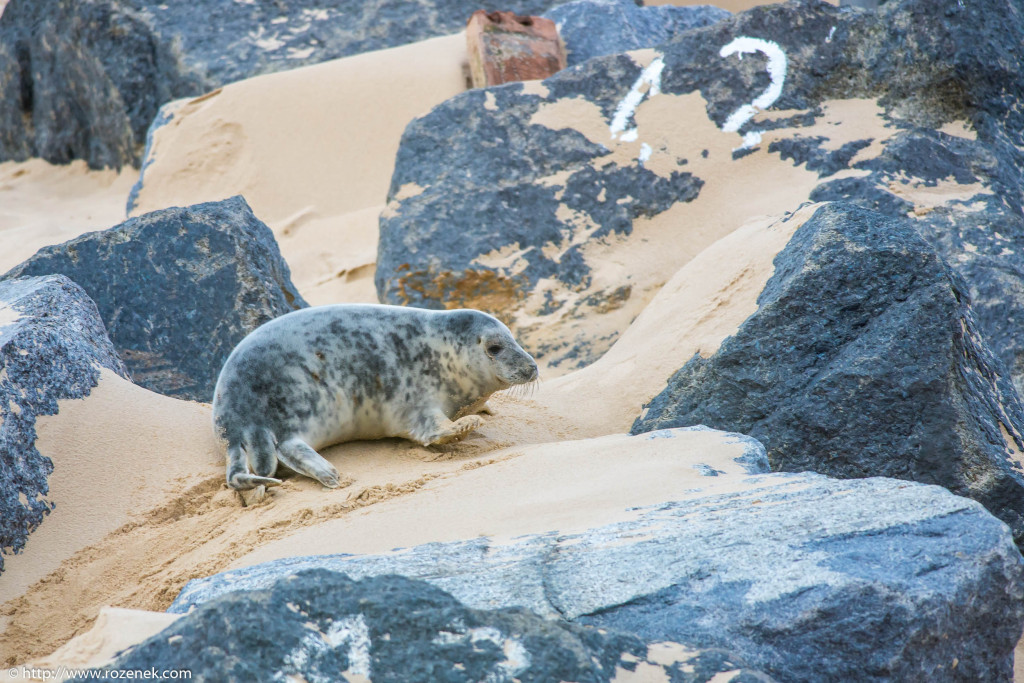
(460, 322)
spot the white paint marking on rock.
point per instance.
(310, 645)
(355, 632)
(751, 139)
(517, 657)
(488, 633)
(645, 153)
(777, 65)
(650, 76)
(352, 631)
(830, 34)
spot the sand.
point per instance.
(139, 478)
(115, 630)
(675, 127)
(112, 455)
(702, 304)
(531, 490)
(311, 150)
(43, 204)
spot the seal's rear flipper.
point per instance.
(252, 497)
(238, 472)
(300, 456)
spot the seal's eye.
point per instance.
(494, 350)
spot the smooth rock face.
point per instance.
(863, 359)
(804, 577)
(90, 76)
(178, 289)
(592, 28)
(532, 227)
(319, 625)
(52, 346)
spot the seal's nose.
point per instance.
(535, 373)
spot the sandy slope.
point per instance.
(43, 204)
(311, 150)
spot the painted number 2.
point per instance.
(777, 73)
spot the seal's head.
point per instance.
(490, 348)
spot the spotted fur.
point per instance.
(328, 374)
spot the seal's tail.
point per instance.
(258, 448)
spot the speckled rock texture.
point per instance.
(490, 207)
(802, 576)
(178, 289)
(863, 359)
(317, 625)
(52, 346)
(592, 28)
(83, 79)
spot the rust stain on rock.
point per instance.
(486, 290)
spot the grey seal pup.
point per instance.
(327, 374)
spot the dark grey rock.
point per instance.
(52, 346)
(14, 140)
(592, 28)
(481, 168)
(977, 236)
(804, 577)
(83, 79)
(321, 626)
(489, 177)
(863, 359)
(178, 289)
(960, 64)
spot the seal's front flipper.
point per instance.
(448, 431)
(238, 476)
(300, 456)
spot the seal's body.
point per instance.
(323, 375)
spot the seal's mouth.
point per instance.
(522, 389)
(518, 371)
